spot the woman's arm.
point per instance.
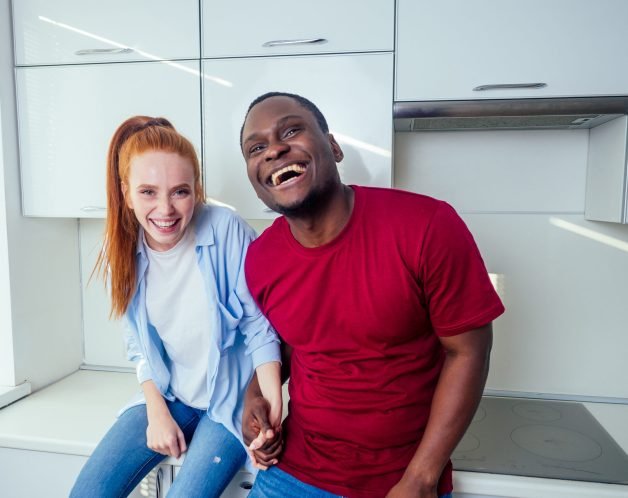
(163, 435)
(269, 379)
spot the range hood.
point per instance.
(516, 114)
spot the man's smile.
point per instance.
(286, 174)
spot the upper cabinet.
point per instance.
(67, 116)
(496, 49)
(75, 32)
(353, 91)
(254, 28)
(607, 173)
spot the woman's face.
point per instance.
(160, 191)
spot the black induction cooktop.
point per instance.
(538, 438)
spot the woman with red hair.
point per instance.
(174, 267)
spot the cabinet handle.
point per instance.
(507, 86)
(91, 209)
(104, 51)
(305, 41)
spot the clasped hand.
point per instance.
(261, 429)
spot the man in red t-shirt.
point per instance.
(384, 307)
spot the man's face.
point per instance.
(290, 161)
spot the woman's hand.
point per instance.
(164, 436)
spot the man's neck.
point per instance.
(324, 226)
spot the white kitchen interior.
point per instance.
(546, 202)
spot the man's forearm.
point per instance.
(455, 401)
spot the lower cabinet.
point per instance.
(28, 474)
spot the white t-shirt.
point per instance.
(177, 306)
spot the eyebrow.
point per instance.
(278, 123)
(154, 187)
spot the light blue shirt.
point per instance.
(242, 338)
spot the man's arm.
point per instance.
(455, 401)
(265, 444)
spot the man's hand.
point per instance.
(264, 442)
(409, 488)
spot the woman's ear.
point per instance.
(125, 194)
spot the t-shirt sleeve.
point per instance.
(458, 292)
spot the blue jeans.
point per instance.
(122, 459)
(275, 483)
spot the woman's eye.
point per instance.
(181, 192)
(147, 192)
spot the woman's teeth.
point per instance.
(164, 224)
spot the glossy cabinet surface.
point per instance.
(354, 92)
(607, 173)
(67, 115)
(279, 27)
(454, 49)
(75, 32)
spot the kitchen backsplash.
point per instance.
(562, 278)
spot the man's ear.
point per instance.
(335, 148)
(127, 197)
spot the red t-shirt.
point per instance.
(363, 314)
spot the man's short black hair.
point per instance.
(302, 101)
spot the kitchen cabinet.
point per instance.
(251, 28)
(67, 115)
(73, 32)
(27, 473)
(459, 50)
(606, 196)
(354, 92)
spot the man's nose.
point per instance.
(275, 150)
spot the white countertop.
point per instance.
(72, 415)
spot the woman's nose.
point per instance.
(165, 205)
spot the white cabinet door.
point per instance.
(445, 49)
(74, 31)
(354, 92)
(251, 27)
(67, 115)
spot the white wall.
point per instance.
(564, 279)
(103, 336)
(7, 366)
(43, 261)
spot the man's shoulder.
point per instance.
(268, 239)
(397, 203)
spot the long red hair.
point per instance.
(116, 261)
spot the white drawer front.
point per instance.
(248, 27)
(74, 31)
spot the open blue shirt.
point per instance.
(242, 338)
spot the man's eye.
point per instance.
(291, 131)
(255, 148)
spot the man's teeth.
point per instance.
(276, 176)
(164, 224)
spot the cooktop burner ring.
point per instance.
(556, 443)
(536, 412)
